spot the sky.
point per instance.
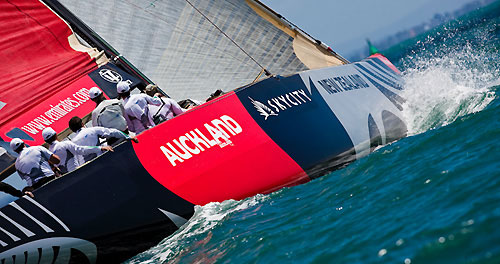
(345, 24)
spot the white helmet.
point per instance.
(16, 143)
(122, 87)
(47, 133)
(94, 92)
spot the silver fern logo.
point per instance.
(281, 103)
(263, 109)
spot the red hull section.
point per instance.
(172, 152)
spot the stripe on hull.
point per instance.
(108, 204)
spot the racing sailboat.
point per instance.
(294, 110)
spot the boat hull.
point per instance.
(111, 204)
(279, 132)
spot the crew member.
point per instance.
(34, 164)
(215, 94)
(167, 110)
(71, 154)
(7, 188)
(108, 113)
(136, 108)
(89, 136)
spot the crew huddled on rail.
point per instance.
(70, 154)
(34, 164)
(168, 109)
(90, 136)
(108, 113)
(112, 121)
(136, 108)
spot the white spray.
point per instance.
(443, 88)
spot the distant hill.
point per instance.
(437, 19)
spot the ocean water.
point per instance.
(432, 197)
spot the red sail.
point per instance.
(41, 74)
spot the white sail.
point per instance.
(179, 43)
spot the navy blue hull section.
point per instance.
(299, 121)
(112, 204)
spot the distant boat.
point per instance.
(294, 110)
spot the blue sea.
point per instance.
(432, 197)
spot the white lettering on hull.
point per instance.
(196, 141)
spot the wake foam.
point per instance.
(205, 219)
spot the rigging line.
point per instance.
(178, 29)
(224, 33)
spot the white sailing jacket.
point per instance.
(110, 114)
(169, 109)
(71, 154)
(137, 111)
(33, 164)
(89, 136)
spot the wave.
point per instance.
(440, 89)
(196, 231)
(448, 76)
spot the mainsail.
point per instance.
(191, 48)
